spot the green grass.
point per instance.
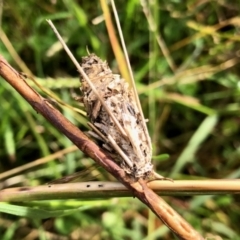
(193, 110)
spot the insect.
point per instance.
(116, 119)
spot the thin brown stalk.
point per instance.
(192, 75)
(13, 52)
(139, 189)
(114, 42)
(156, 34)
(37, 162)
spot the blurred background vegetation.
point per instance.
(185, 58)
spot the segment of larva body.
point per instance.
(125, 135)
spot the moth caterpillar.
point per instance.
(128, 139)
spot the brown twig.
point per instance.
(139, 189)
